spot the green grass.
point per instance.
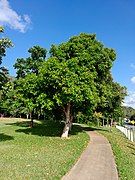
(37, 153)
(124, 151)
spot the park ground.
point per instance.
(40, 153)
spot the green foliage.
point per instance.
(78, 72)
(4, 74)
(65, 83)
(37, 53)
(128, 111)
(4, 44)
(27, 90)
(32, 63)
(9, 105)
(26, 85)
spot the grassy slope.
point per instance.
(37, 153)
(124, 151)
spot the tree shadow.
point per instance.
(79, 128)
(51, 129)
(21, 123)
(132, 147)
(76, 128)
(94, 129)
(4, 137)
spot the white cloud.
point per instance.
(130, 100)
(133, 79)
(10, 18)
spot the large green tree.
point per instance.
(75, 75)
(75, 79)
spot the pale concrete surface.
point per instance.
(96, 162)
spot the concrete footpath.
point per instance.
(96, 162)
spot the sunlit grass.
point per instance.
(124, 151)
(37, 153)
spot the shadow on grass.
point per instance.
(132, 147)
(21, 123)
(4, 137)
(78, 128)
(50, 128)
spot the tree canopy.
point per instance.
(77, 77)
(74, 80)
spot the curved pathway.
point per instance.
(96, 162)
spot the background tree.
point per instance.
(132, 117)
(111, 97)
(4, 44)
(128, 111)
(26, 83)
(27, 91)
(4, 75)
(8, 104)
(32, 63)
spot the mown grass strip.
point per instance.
(38, 153)
(124, 151)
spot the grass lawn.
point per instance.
(124, 151)
(37, 153)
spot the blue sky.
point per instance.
(46, 22)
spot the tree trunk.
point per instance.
(107, 122)
(98, 122)
(31, 122)
(38, 116)
(68, 123)
(27, 116)
(30, 115)
(111, 123)
(103, 122)
(44, 116)
(71, 122)
(66, 130)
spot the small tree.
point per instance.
(26, 89)
(98, 116)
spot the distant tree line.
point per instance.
(129, 112)
(72, 83)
